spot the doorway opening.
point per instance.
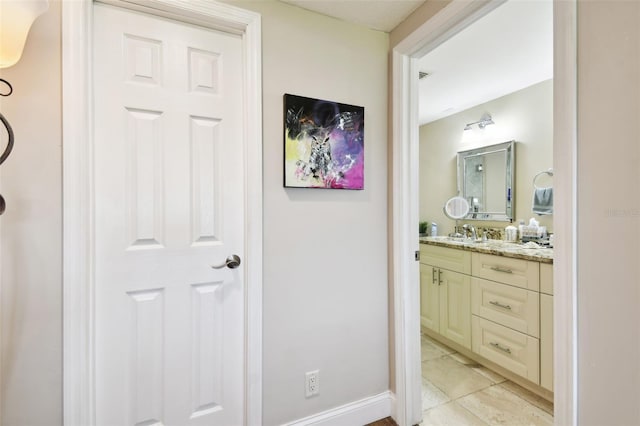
(406, 69)
(486, 129)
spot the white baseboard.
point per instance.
(356, 413)
(394, 407)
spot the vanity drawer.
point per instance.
(517, 272)
(446, 258)
(517, 352)
(510, 306)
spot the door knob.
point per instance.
(232, 262)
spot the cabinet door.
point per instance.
(546, 341)
(546, 278)
(429, 298)
(455, 307)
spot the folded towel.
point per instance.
(542, 201)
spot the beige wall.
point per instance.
(525, 116)
(325, 270)
(608, 213)
(31, 230)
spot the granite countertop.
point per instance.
(496, 247)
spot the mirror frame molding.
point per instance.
(510, 147)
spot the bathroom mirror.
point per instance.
(485, 181)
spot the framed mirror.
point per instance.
(485, 180)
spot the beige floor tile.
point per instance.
(463, 359)
(498, 406)
(444, 348)
(448, 375)
(494, 377)
(529, 396)
(432, 350)
(450, 414)
(432, 396)
(453, 378)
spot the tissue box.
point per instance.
(532, 233)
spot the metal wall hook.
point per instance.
(8, 85)
(9, 146)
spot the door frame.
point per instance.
(78, 207)
(406, 294)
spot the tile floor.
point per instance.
(457, 391)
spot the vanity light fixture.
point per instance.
(16, 18)
(484, 121)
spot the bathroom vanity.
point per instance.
(493, 302)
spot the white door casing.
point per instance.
(155, 225)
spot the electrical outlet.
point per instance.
(312, 383)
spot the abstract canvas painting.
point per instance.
(323, 144)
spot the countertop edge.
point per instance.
(516, 252)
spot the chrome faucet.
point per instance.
(470, 229)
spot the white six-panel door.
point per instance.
(168, 192)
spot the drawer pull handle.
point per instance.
(433, 275)
(500, 269)
(439, 276)
(500, 305)
(500, 347)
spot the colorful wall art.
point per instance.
(323, 144)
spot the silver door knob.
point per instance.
(232, 262)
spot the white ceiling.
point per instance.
(507, 50)
(383, 15)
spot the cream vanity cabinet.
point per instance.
(512, 321)
(499, 307)
(506, 309)
(445, 292)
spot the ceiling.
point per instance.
(383, 15)
(505, 51)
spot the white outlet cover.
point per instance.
(312, 383)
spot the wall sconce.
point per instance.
(484, 121)
(16, 18)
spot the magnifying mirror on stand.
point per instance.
(456, 208)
